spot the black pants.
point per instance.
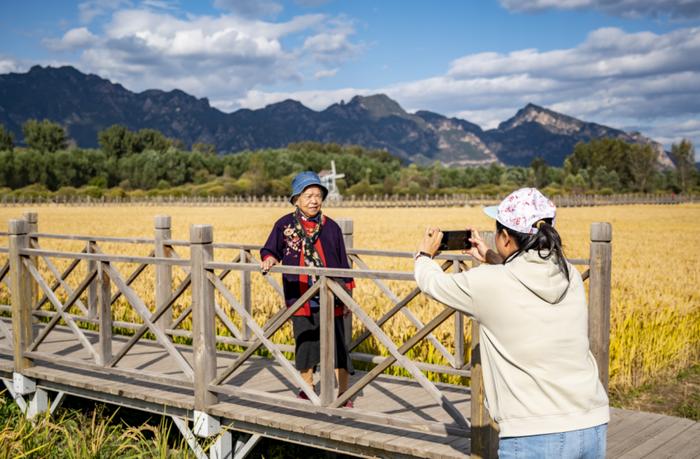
(307, 339)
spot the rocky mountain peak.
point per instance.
(378, 105)
(551, 120)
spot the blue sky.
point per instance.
(630, 64)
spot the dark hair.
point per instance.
(546, 239)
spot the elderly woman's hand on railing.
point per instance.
(267, 263)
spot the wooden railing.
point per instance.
(36, 309)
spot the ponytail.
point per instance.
(546, 241)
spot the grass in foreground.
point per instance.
(679, 396)
(83, 430)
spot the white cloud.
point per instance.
(325, 73)
(250, 8)
(8, 65)
(73, 39)
(677, 9)
(634, 80)
(217, 56)
(91, 9)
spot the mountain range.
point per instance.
(86, 104)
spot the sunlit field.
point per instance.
(655, 324)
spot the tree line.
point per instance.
(145, 162)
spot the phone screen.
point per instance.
(455, 240)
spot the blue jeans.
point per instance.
(576, 444)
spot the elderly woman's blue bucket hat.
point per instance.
(303, 180)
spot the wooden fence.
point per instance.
(86, 303)
(439, 200)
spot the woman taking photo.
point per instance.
(306, 237)
(540, 378)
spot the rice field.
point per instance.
(655, 323)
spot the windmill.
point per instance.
(328, 179)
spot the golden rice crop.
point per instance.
(655, 317)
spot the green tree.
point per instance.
(204, 148)
(44, 136)
(7, 140)
(540, 170)
(150, 139)
(642, 164)
(683, 155)
(116, 140)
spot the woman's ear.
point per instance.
(507, 240)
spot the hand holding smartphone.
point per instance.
(456, 240)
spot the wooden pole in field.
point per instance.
(164, 272)
(21, 293)
(599, 297)
(203, 313)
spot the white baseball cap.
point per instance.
(521, 209)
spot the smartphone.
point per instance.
(455, 240)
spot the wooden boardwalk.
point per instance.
(631, 434)
(62, 338)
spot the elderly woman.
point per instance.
(306, 237)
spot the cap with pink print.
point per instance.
(522, 209)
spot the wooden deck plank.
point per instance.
(689, 446)
(653, 446)
(630, 434)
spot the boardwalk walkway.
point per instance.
(59, 335)
(631, 434)
(357, 431)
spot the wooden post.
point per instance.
(245, 295)
(484, 431)
(346, 227)
(32, 219)
(104, 299)
(93, 289)
(327, 338)
(21, 293)
(599, 297)
(164, 273)
(203, 313)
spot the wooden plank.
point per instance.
(328, 272)
(74, 237)
(327, 343)
(20, 291)
(245, 292)
(203, 315)
(270, 330)
(689, 446)
(105, 257)
(57, 282)
(143, 311)
(654, 445)
(260, 334)
(60, 308)
(104, 312)
(599, 297)
(59, 278)
(626, 433)
(407, 313)
(398, 355)
(132, 277)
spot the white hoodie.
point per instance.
(539, 374)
